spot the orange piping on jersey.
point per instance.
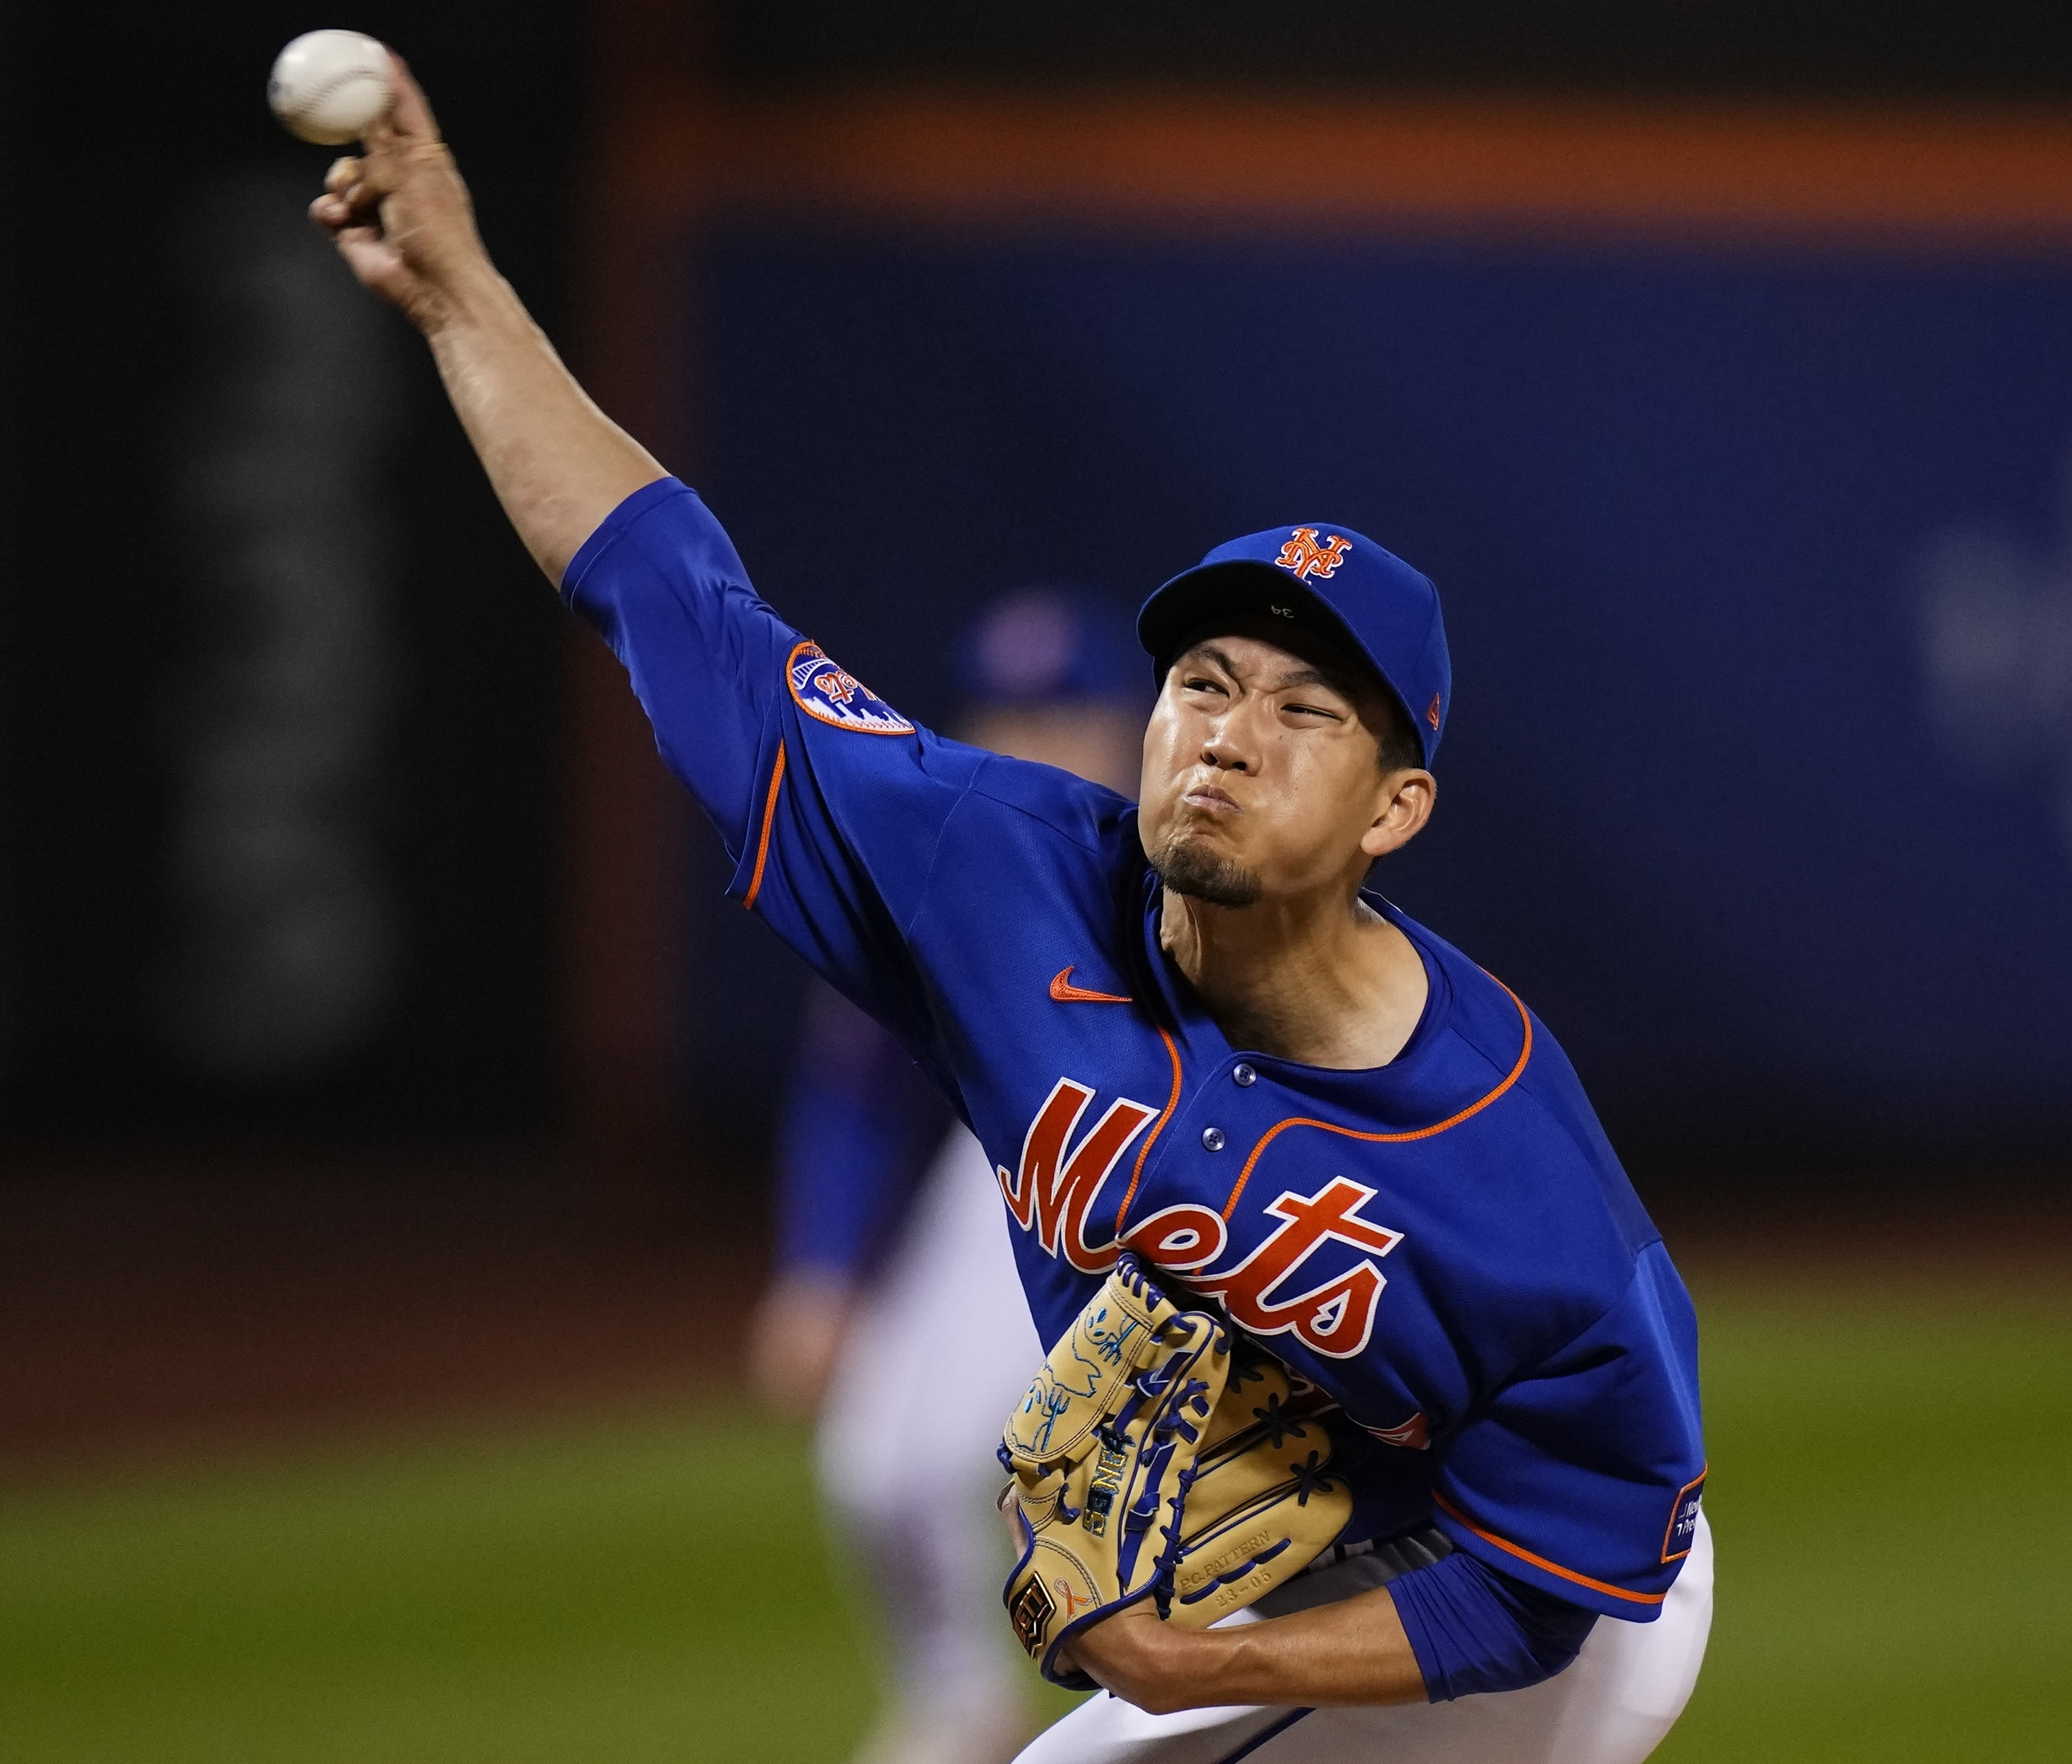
(1062, 990)
(1475, 1107)
(763, 844)
(1541, 1561)
(1157, 1127)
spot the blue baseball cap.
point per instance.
(1326, 579)
(1050, 645)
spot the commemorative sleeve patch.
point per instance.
(1683, 1530)
(823, 689)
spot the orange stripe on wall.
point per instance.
(1187, 161)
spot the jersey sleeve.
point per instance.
(1583, 1477)
(1475, 1631)
(830, 805)
(661, 582)
(860, 1125)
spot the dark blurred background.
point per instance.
(373, 1038)
(282, 707)
(335, 868)
(288, 757)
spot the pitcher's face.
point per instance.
(1262, 773)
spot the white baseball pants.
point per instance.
(942, 1347)
(1613, 1705)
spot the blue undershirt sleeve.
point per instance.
(1474, 1630)
(861, 1124)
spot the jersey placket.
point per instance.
(1196, 1166)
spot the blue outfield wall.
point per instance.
(1758, 779)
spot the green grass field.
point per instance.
(1888, 1495)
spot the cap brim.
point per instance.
(1198, 598)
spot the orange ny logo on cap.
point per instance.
(1304, 556)
(1431, 711)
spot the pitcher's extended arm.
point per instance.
(401, 218)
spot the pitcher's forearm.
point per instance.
(1354, 1653)
(557, 464)
(402, 221)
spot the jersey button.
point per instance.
(1244, 1076)
(1212, 1139)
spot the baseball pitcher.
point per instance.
(1370, 1426)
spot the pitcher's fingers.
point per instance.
(371, 259)
(376, 174)
(347, 207)
(344, 175)
(354, 198)
(409, 111)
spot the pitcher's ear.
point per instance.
(1414, 795)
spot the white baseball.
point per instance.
(327, 85)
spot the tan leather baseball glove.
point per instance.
(1102, 1450)
(1262, 1503)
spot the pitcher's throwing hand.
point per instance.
(401, 214)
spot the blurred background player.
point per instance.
(892, 1251)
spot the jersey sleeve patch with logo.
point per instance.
(1683, 1520)
(823, 689)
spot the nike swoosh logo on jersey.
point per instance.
(1062, 990)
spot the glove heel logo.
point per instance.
(829, 694)
(1032, 1611)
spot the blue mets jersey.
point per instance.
(1446, 1244)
